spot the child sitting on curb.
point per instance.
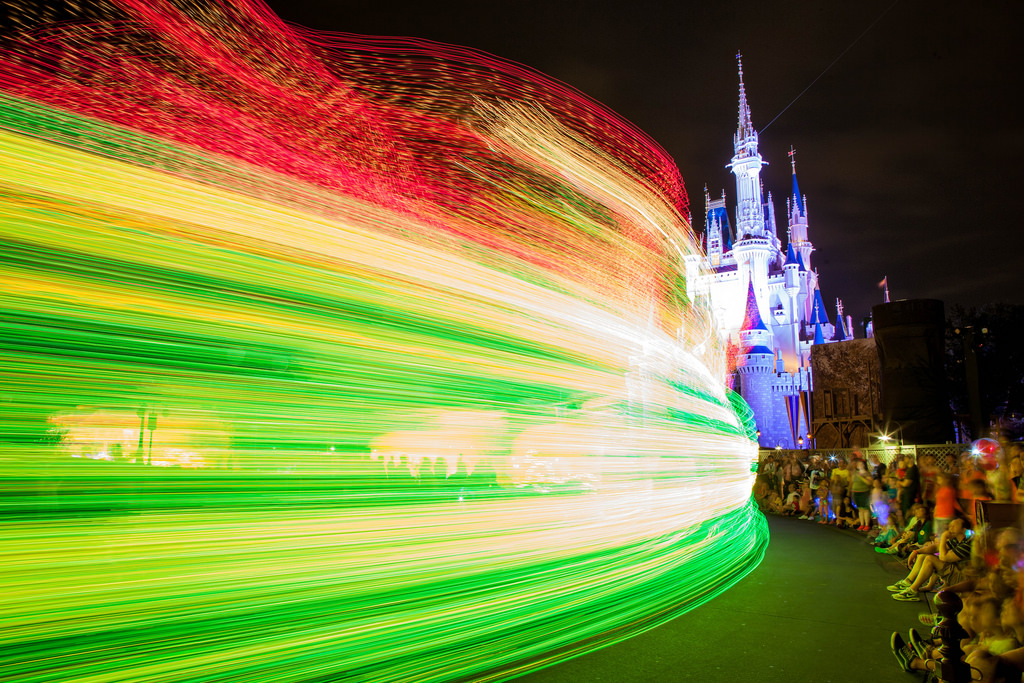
(886, 538)
(917, 532)
(846, 515)
(792, 503)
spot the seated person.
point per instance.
(846, 514)
(951, 555)
(917, 532)
(762, 487)
(792, 503)
(887, 536)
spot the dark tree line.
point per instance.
(995, 334)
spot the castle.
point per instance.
(766, 298)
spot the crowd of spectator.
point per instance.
(924, 517)
(865, 494)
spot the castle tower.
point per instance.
(788, 333)
(755, 365)
(746, 166)
(765, 297)
(713, 229)
(840, 334)
(819, 318)
(769, 219)
(755, 248)
(796, 209)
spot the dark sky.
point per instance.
(910, 148)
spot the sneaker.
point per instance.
(899, 648)
(919, 644)
(891, 550)
(804, 517)
(907, 596)
(899, 586)
(928, 619)
(879, 549)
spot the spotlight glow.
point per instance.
(340, 358)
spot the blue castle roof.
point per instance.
(791, 258)
(797, 197)
(759, 349)
(752, 317)
(819, 338)
(819, 316)
(840, 334)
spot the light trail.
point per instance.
(340, 358)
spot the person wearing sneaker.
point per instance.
(860, 489)
(909, 658)
(839, 486)
(917, 532)
(806, 501)
(909, 485)
(948, 564)
(823, 506)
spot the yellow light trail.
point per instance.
(314, 367)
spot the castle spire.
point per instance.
(746, 166)
(820, 315)
(797, 198)
(791, 257)
(752, 317)
(746, 126)
(840, 334)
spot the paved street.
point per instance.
(816, 610)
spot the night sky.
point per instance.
(910, 148)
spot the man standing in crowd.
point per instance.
(909, 485)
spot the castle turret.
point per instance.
(791, 269)
(840, 334)
(819, 318)
(796, 209)
(755, 365)
(713, 230)
(819, 335)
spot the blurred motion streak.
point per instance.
(326, 357)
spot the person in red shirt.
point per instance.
(977, 489)
(946, 505)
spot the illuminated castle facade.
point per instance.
(765, 297)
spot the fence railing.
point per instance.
(947, 455)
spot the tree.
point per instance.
(994, 334)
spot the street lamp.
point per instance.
(800, 442)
